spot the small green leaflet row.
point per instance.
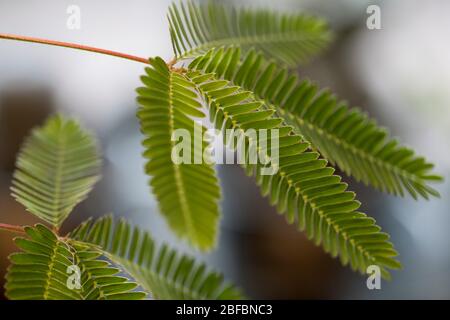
(57, 167)
(288, 38)
(44, 269)
(160, 270)
(187, 194)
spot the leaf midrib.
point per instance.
(180, 187)
(50, 267)
(58, 177)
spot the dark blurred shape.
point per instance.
(272, 259)
(20, 110)
(283, 264)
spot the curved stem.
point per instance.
(73, 46)
(11, 228)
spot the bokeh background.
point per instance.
(399, 74)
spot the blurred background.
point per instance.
(400, 75)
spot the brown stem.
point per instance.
(11, 228)
(73, 46)
(172, 62)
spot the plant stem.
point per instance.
(73, 46)
(11, 228)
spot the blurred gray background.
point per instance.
(400, 75)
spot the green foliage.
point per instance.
(187, 193)
(59, 163)
(43, 269)
(289, 38)
(56, 169)
(344, 136)
(304, 187)
(40, 271)
(160, 270)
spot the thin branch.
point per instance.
(172, 62)
(12, 228)
(73, 46)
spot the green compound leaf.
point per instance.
(304, 187)
(187, 193)
(289, 38)
(346, 137)
(160, 270)
(57, 167)
(45, 268)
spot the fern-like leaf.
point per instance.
(304, 187)
(289, 38)
(57, 167)
(188, 193)
(42, 271)
(160, 270)
(344, 136)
